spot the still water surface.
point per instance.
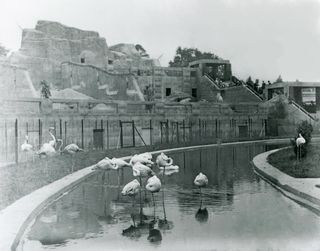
(237, 211)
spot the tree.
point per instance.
(45, 89)
(279, 79)
(186, 55)
(279, 110)
(3, 50)
(249, 81)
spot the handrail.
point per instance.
(291, 101)
(212, 81)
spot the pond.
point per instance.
(237, 211)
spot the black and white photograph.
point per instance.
(161, 125)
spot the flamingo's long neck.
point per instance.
(53, 137)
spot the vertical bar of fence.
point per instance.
(121, 134)
(150, 128)
(40, 132)
(200, 129)
(27, 128)
(60, 128)
(184, 131)
(82, 137)
(133, 134)
(108, 135)
(178, 132)
(167, 131)
(65, 132)
(6, 138)
(101, 125)
(16, 141)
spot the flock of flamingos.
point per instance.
(141, 165)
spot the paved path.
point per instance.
(302, 190)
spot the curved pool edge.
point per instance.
(15, 218)
(301, 190)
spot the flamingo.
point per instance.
(153, 186)
(131, 189)
(26, 147)
(164, 161)
(105, 164)
(142, 158)
(200, 181)
(118, 164)
(71, 149)
(299, 142)
(48, 149)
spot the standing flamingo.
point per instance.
(131, 190)
(26, 147)
(71, 149)
(200, 181)
(299, 142)
(153, 186)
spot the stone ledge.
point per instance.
(301, 190)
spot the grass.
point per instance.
(286, 161)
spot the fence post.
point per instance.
(121, 134)
(107, 134)
(60, 129)
(65, 132)
(82, 141)
(101, 125)
(184, 132)
(6, 138)
(40, 133)
(150, 126)
(133, 134)
(16, 141)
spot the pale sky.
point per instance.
(261, 38)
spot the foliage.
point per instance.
(279, 79)
(186, 55)
(306, 129)
(3, 50)
(279, 110)
(45, 89)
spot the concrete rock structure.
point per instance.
(68, 57)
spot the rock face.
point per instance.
(44, 48)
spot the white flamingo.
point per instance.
(153, 186)
(131, 189)
(299, 142)
(163, 161)
(140, 170)
(201, 181)
(142, 158)
(26, 147)
(48, 149)
(71, 149)
(105, 164)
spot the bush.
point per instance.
(306, 130)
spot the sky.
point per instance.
(261, 38)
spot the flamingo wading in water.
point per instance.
(201, 181)
(131, 190)
(153, 186)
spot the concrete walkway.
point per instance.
(302, 190)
